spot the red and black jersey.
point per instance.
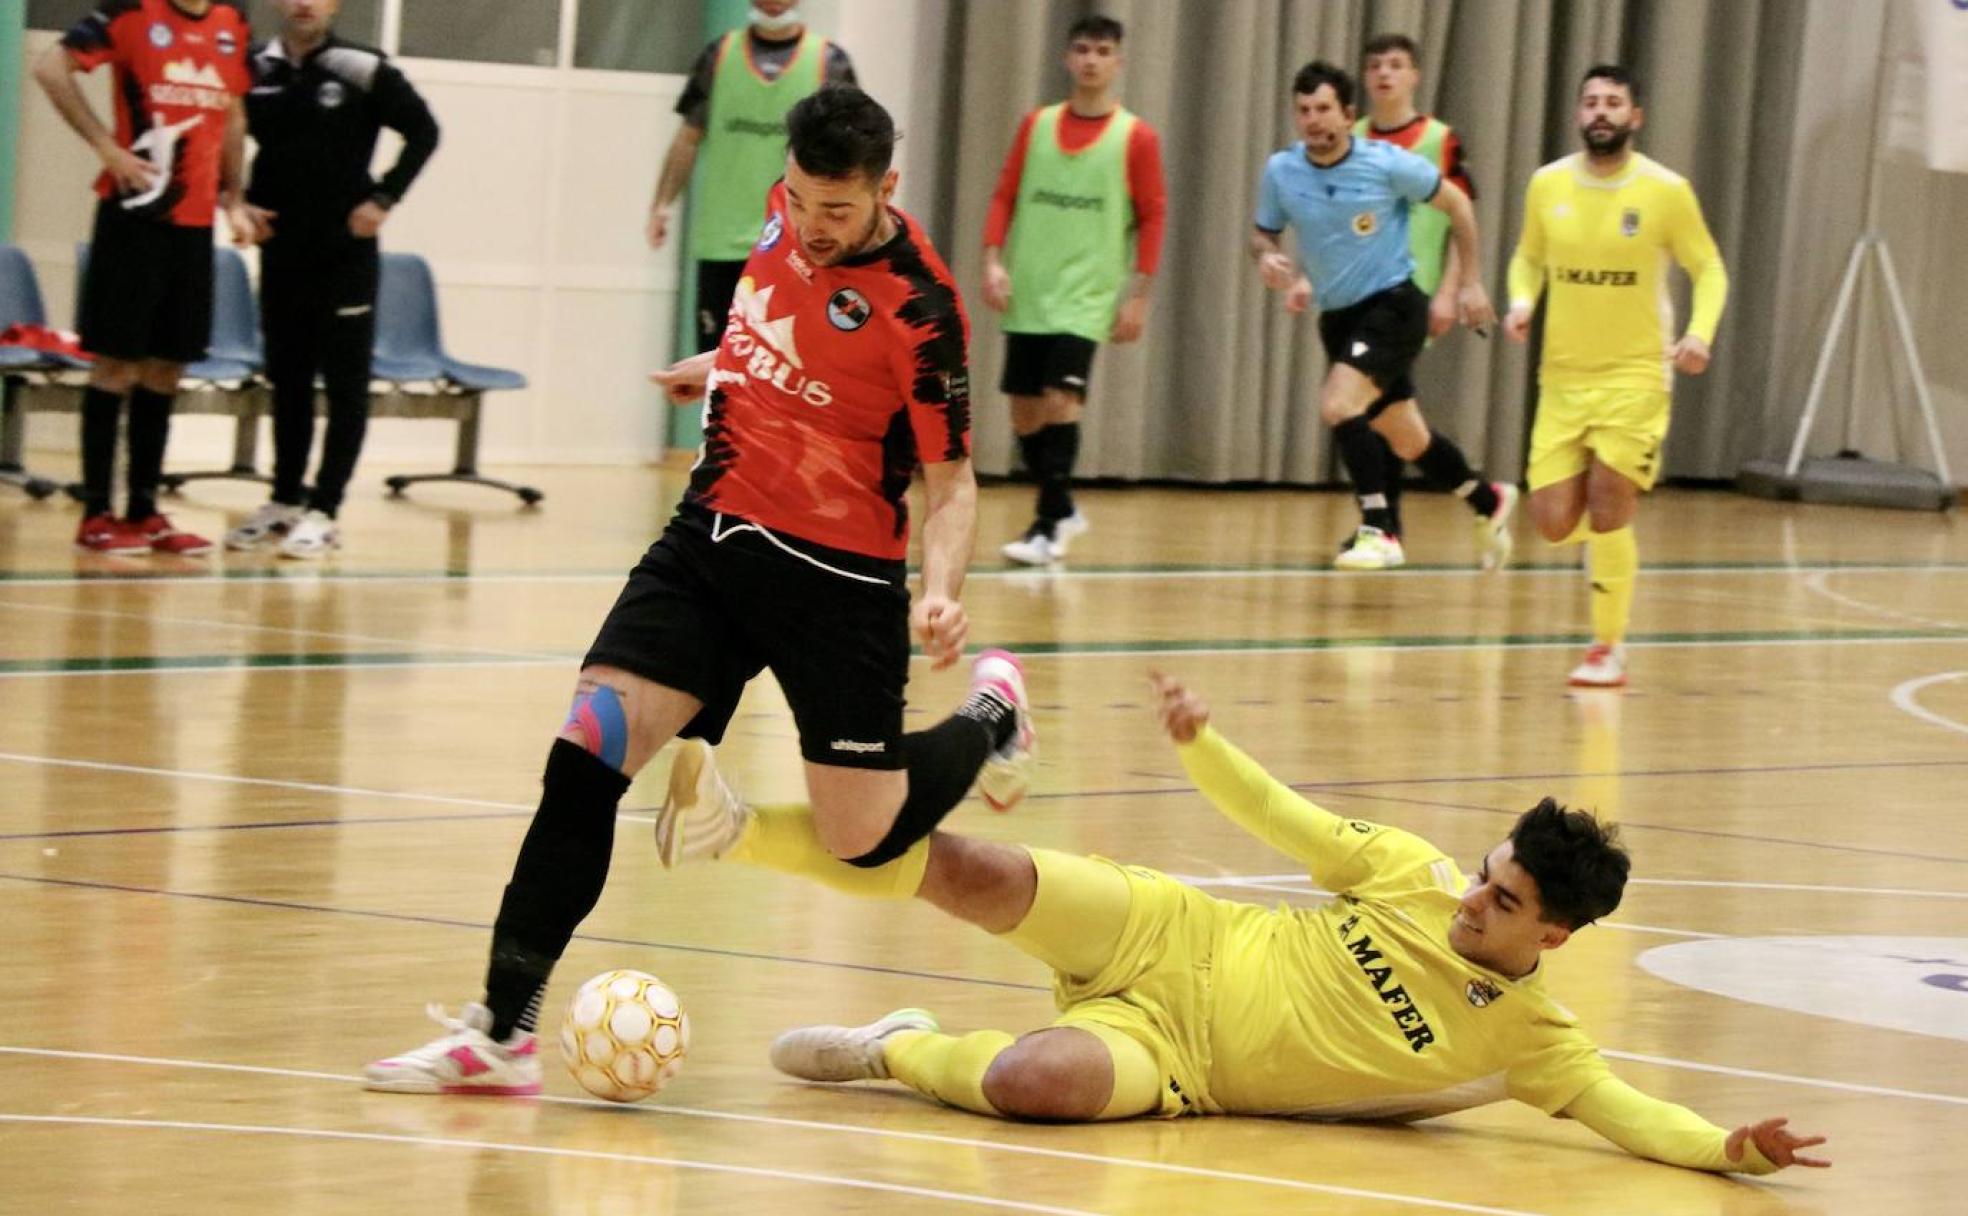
(832, 385)
(175, 77)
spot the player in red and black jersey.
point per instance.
(841, 372)
(174, 158)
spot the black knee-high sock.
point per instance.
(1060, 452)
(102, 410)
(1393, 464)
(1445, 467)
(943, 761)
(1359, 451)
(150, 433)
(1032, 448)
(555, 883)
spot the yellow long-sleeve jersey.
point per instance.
(1598, 249)
(1361, 1008)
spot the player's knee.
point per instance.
(1336, 409)
(1029, 1080)
(599, 723)
(114, 375)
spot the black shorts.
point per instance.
(1380, 337)
(1036, 362)
(715, 601)
(148, 291)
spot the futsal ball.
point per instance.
(624, 1035)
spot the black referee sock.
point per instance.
(943, 762)
(102, 410)
(1360, 450)
(1032, 448)
(150, 433)
(1392, 463)
(1060, 453)
(556, 882)
(1443, 463)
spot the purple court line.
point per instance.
(447, 922)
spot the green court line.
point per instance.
(1146, 646)
(278, 575)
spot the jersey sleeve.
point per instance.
(1348, 855)
(1660, 1131)
(1004, 199)
(1526, 276)
(931, 361)
(838, 69)
(96, 39)
(403, 110)
(1148, 187)
(1412, 177)
(695, 103)
(1271, 216)
(1455, 153)
(1695, 249)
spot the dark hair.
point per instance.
(1095, 29)
(1380, 44)
(1319, 72)
(1576, 861)
(839, 131)
(1615, 73)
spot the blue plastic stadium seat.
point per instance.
(20, 304)
(409, 344)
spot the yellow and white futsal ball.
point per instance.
(624, 1035)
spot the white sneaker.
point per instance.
(845, 1053)
(1066, 529)
(1371, 549)
(270, 520)
(1008, 771)
(701, 816)
(1493, 536)
(1604, 667)
(311, 536)
(1034, 548)
(463, 1060)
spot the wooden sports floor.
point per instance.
(254, 815)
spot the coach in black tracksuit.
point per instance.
(316, 108)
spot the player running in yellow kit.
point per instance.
(1599, 228)
(1415, 992)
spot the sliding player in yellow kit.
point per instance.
(1599, 226)
(1415, 992)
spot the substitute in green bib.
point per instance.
(1082, 183)
(734, 137)
(1390, 69)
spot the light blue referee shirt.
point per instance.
(1351, 216)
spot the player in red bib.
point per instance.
(843, 369)
(175, 156)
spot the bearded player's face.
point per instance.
(835, 218)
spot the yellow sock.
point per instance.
(945, 1067)
(783, 838)
(1615, 561)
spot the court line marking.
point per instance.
(1005, 573)
(1819, 583)
(361, 661)
(1026, 1150)
(281, 630)
(682, 1163)
(1240, 879)
(1906, 698)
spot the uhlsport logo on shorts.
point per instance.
(848, 309)
(857, 747)
(774, 229)
(1366, 224)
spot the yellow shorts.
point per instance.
(1623, 427)
(1156, 988)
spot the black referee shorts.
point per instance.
(1380, 337)
(715, 601)
(148, 290)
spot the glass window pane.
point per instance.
(483, 31)
(359, 21)
(638, 35)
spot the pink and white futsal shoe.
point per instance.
(463, 1060)
(1007, 771)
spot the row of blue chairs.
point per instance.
(418, 376)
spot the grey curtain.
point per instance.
(1224, 385)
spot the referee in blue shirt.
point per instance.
(1348, 201)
